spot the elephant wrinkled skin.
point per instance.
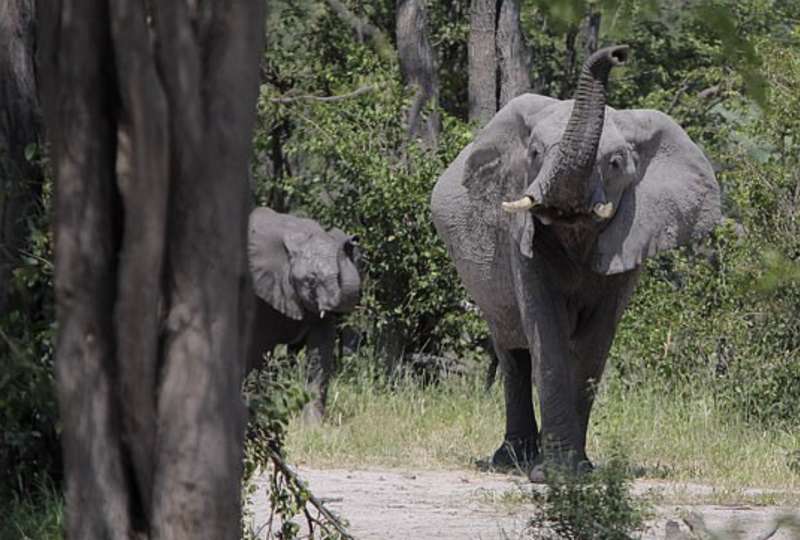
(548, 215)
(303, 276)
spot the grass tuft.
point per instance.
(40, 516)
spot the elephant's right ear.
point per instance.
(675, 199)
(269, 264)
(498, 168)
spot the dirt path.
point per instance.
(391, 504)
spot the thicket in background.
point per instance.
(330, 130)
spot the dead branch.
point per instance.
(326, 99)
(709, 92)
(682, 90)
(316, 503)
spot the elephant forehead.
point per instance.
(549, 124)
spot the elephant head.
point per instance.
(299, 268)
(631, 180)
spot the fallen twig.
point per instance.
(316, 503)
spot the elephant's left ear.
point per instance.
(674, 199)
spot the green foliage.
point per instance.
(725, 315)
(348, 164)
(273, 396)
(29, 449)
(598, 505)
(38, 515)
(697, 318)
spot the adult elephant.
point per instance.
(593, 192)
(303, 276)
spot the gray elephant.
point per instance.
(303, 276)
(592, 191)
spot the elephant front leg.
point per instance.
(546, 324)
(519, 447)
(563, 430)
(319, 367)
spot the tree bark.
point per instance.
(482, 61)
(570, 64)
(591, 32)
(149, 110)
(20, 126)
(418, 68)
(513, 55)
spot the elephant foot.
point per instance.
(513, 454)
(545, 468)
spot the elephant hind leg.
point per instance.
(520, 443)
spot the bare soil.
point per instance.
(391, 504)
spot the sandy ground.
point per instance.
(448, 505)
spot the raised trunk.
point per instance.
(350, 284)
(578, 147)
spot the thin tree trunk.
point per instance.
(418, 68)
(20, 180)
(570, 64)
(149, 115)
(482, 61)
(513, 55)
(591, 32)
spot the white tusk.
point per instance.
(322, 314)
(603, 210)
(525, 203)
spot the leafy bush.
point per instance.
(273, 395)
(348, 163)
(598, 505)
(724, 314)
(29, 448)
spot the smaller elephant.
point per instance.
(303, 276)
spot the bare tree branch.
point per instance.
(316, 503)
(327, 99)
(364, 28)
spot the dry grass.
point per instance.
(684, 439)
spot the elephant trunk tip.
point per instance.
(603, 60)
(619, 54)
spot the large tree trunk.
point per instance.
(499, 60)
(149, 114)
(418, 68)
(20, 180)
(482, 61)
(513, 55)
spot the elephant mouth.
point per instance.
(548, 215)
